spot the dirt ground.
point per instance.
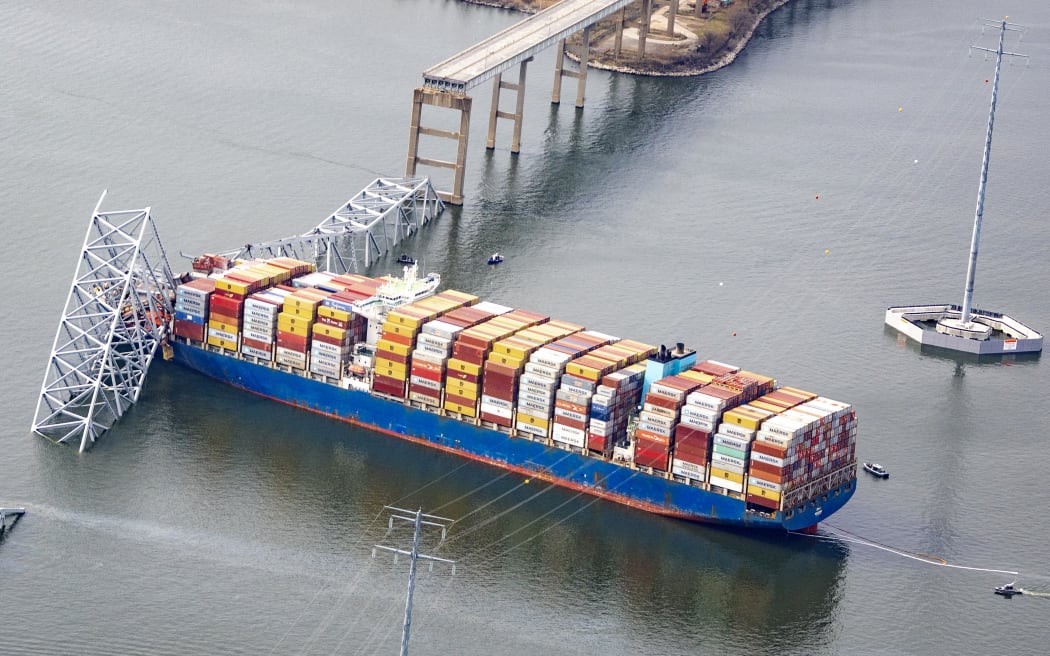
(701, 41)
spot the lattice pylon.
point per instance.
(117, 313)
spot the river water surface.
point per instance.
(766, 215)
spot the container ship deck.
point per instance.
(648, 427)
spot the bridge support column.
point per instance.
(516, 116)
(580, 75)
(448, 100)
(643, 28)
(618, 42)
(672, 13)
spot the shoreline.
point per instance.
(665, 69)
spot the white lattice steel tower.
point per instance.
(116, 315)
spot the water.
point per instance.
(209, 521)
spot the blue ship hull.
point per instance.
(602, 478)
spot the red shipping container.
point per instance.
(230, 307)
(769, 449)
(571, 423)
(423, 372)
(496, 419)
(652, 437)
(224, 318)
(387, 385)
(393, 357)
(500, 390)
(762, 501)
(685, 432)
(293, 342)
(461, 400)
(327, 339)
(255, 343)
(779, 479)
(462, 375)
(190, 330)
(603, 443)
(760, 468)
(403, 340)
(662, 401)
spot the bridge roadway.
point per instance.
(518, 43)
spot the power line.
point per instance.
(419, 520)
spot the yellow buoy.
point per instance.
(900, 109)
(827, 250)
(526, 481)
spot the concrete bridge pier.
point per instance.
(519, 107)
(580, 75)
(456, 101)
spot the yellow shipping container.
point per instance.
(698, 376)
(462, 298)
(726, 474)
(392, 347)
(330, 331)
(768, 407)
(400, 329)
(405, 316)
(304, 311)
(461, 388)
(509, 360)
(399, 370)
(533, 421)
(334, 313)
(461, 409)
(224, 327)
(465, 367)
(222, 343)
(232, 286)
(747, 416)
(287, 321)
(763, 492)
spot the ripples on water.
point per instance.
(212, 521)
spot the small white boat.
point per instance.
(876, 469)
(495, 258)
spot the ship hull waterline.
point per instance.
(532, 459)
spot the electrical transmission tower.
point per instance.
(419, 520)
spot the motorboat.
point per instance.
(405, 258)
(875, 469)
(1008, 590)
(495, 258)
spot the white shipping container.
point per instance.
(527, 428)
(425, 382)
(764, 484)
(578, 391)
(698, 412)
(652, 428)
(736, 430)
(701, 400)
(256, 352)
(259, 336)
(324, 370)
(569, 435)
(699, 423)
(598, 423)
(726, 484)
(442, 344)
(730, 441)
(535, 400)
(538, 381)
(725, 462)
(550, 358)
(542, 370)
(657, 419)
(688, 469)
(667, 391)
(578, 399)
(498, 402)
(441, 329)
(492, 308)
(569, 414)
(537, 392)
(222, 334)
(499, 411)
(531, 409)
(427, 356)
(655, 409)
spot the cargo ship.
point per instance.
(651, 427)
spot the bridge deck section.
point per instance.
(517, 43)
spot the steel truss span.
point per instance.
(115, 317)
(363, 229)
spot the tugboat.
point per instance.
(1008, 590)
(405, 258)
(877, 470)
(495, 258)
